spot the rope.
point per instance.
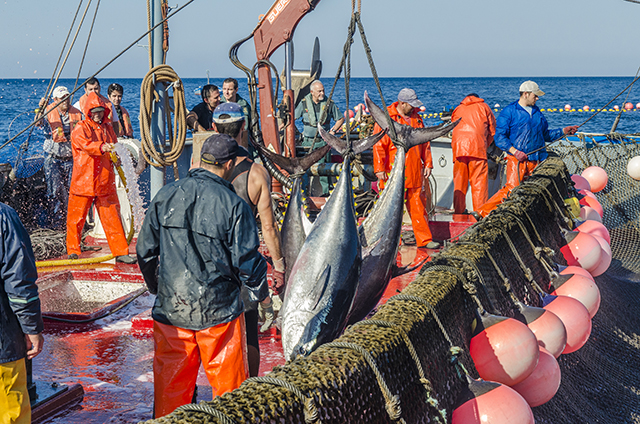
(392, 402)
(309, 407)
(148, 97)
(86, 46)
(203, 407)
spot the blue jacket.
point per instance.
(516, 128)
(19, 302)
(197, 246)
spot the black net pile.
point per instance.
(399, 366)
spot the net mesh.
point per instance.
(599, 381)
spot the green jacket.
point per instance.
(310, 116)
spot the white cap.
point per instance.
(531, 87)
(60, 92)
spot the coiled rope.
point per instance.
(148, 97)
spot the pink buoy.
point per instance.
(580, 182)
(633, 167)
(585, 108)
(580, 288)
(546, 326)
(597, 178)
(543, 383)
(351, 114)
(581, 249)
(567, 107)
(595, 228)
(628, 106)
(575, 318)
(483, 402)
(587, 193)
(592, 203)
(587, 213)
(616, 107)
(422, 108)
(638, 106)
(605, 259)
(571, 270)
(503, 349)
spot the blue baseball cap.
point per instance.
(228, 112)
(219, 148)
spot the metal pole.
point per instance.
(158, 126)
(290, 136)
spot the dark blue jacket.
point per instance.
(198, 244)
(515, 127)
(19, 302)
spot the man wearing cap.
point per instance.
(195, 260)
(199, 119)
(93, 180)
(311, 109)
(252, 183)
(417, 169)
(58, 162)
(521, 132)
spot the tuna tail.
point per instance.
(401, 270)
(358, 146)
(407, 136)
(294, 165)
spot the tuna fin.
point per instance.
(409, 136)
(294, 165)
(401, 270)
(358, 146)
(317, 292)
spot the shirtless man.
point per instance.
(252, 183)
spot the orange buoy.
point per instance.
(543, 383)
(581, 288)
(582, 249)
(503, 349)
(575, 318)
(570, 270)
(633, 167)
(595, 228)
(592, 203)
(628, 105)
(605, 258)
(597, 178)
(546, 326)
(483, 402)
(587, 213)
(580, 182)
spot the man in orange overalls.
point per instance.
(471, 138)
(93, 179)
(418, 165)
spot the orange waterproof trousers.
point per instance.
(415, 201)
(516, 173)
(15, 406)
(467, 169)
(178, 353)
(109, 211)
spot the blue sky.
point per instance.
(415, 38)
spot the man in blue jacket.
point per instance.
(522, 132)
(20, 317)
(197, 246)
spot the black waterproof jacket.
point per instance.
(19, 302)
(198, 244)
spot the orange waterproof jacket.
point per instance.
(384, 152)
(128, 129)
(55, 122)
(475, 132)
(92, 170)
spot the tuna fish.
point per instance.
(324, 278)
(380, 231)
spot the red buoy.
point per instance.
(592, 203)
(605, 258)
(575, 318)
(569, 270)
(597, 178)
(595, 228)
(587, 213)
(544, 381)
(580, 182)
(579, 287)
(503, 349)
(483, 402)
(581, 249)
(546, 326)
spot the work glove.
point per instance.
(521, 156)
(570, 130)
(277, 274)
(269, 315)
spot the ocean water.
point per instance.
(19, 98)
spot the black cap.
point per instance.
(219, 148)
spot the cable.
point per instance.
(86, 46)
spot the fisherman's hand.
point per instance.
(106, 147)
(427, 172)
(266, 308)
(42, 102)
(34, 344)
(382, 176)
(570, 130)
(521, 156)
(278, 276)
